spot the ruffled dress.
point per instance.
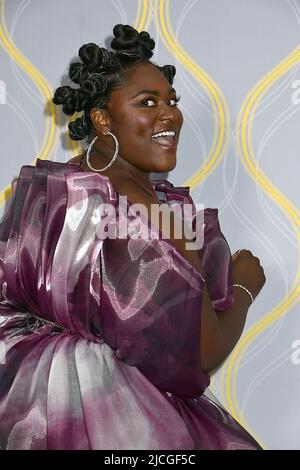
(100, 336)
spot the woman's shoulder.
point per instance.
(63, 176)
(77, 159)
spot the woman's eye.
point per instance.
(145, 101)
(176, 100)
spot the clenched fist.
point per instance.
(246, 270)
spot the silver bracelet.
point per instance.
(245, 288)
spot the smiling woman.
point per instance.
(109, 341)
(136, 113)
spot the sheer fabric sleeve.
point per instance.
(49, 248)
(216, 262)
(138, 296)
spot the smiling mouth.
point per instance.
(167, 142)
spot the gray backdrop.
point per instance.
(238, 74)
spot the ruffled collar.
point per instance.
(161, 185)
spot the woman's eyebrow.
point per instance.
(153, 92)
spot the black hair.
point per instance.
(101, 71)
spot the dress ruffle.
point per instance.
(102, 336)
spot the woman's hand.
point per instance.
(246, 270)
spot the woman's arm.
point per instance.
(246, 269)
(221, 331)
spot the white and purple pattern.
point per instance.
(125, 372)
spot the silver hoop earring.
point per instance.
(114, 157)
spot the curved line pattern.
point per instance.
(277, 362)
(138, 12)
(248, 159)
(143, 15)
(222, 126)
(51, 133)
(22, 81)
(272, 333)
(270, 336)
(218, 102)
(217, 151)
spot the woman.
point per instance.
(109, 340)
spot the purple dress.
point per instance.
(102, 335)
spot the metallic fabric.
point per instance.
(102, 335)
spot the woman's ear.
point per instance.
(100, 119)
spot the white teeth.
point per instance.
(172, 133)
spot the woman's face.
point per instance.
(136, 115)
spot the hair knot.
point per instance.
(100, 72)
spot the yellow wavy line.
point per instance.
(42, 85)
(245, 117)
(74, 147)
(260, 83)
(221, 114)
(138, 13)
(149, 15)
(218, 102)
(141, 14)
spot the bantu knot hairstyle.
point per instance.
(101, 71)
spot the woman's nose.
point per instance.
(167, 113)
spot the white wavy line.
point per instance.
(269, 248)
(263, 106)
(277, 326)
(270, 332)
(155, 56)
(266, 137)
(281, 88)
(195, 192)
(293, 5)
(268, 100)
(279, 261)
(199, 98)
(262, 143)
(120, 9)
(262, 375)
(197, 130)
(269, 133)
(150, 20)
(233, 136)
(190, 120)
(276, 91)
(20, 79)
(24, 117)
(253, 351)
